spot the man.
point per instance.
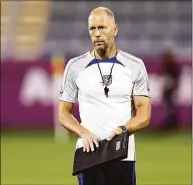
(108, 83)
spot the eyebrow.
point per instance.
(103, 26)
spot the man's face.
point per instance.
(102, 30)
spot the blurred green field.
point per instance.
(35, 158)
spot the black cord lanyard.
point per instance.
(106, 89)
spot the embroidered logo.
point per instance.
(107, 79)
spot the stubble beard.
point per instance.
(102, 51)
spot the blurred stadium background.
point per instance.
(37, 40)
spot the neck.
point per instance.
(108, 53)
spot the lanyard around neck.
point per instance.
(106, 89)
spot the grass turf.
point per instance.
(35, 158)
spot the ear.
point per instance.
(116, 30)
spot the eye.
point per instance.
(101, 27)
(92, 28)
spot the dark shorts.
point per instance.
(115, 173)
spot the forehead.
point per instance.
(98, 19)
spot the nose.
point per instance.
(97, 33)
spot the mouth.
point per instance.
(99, 42)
